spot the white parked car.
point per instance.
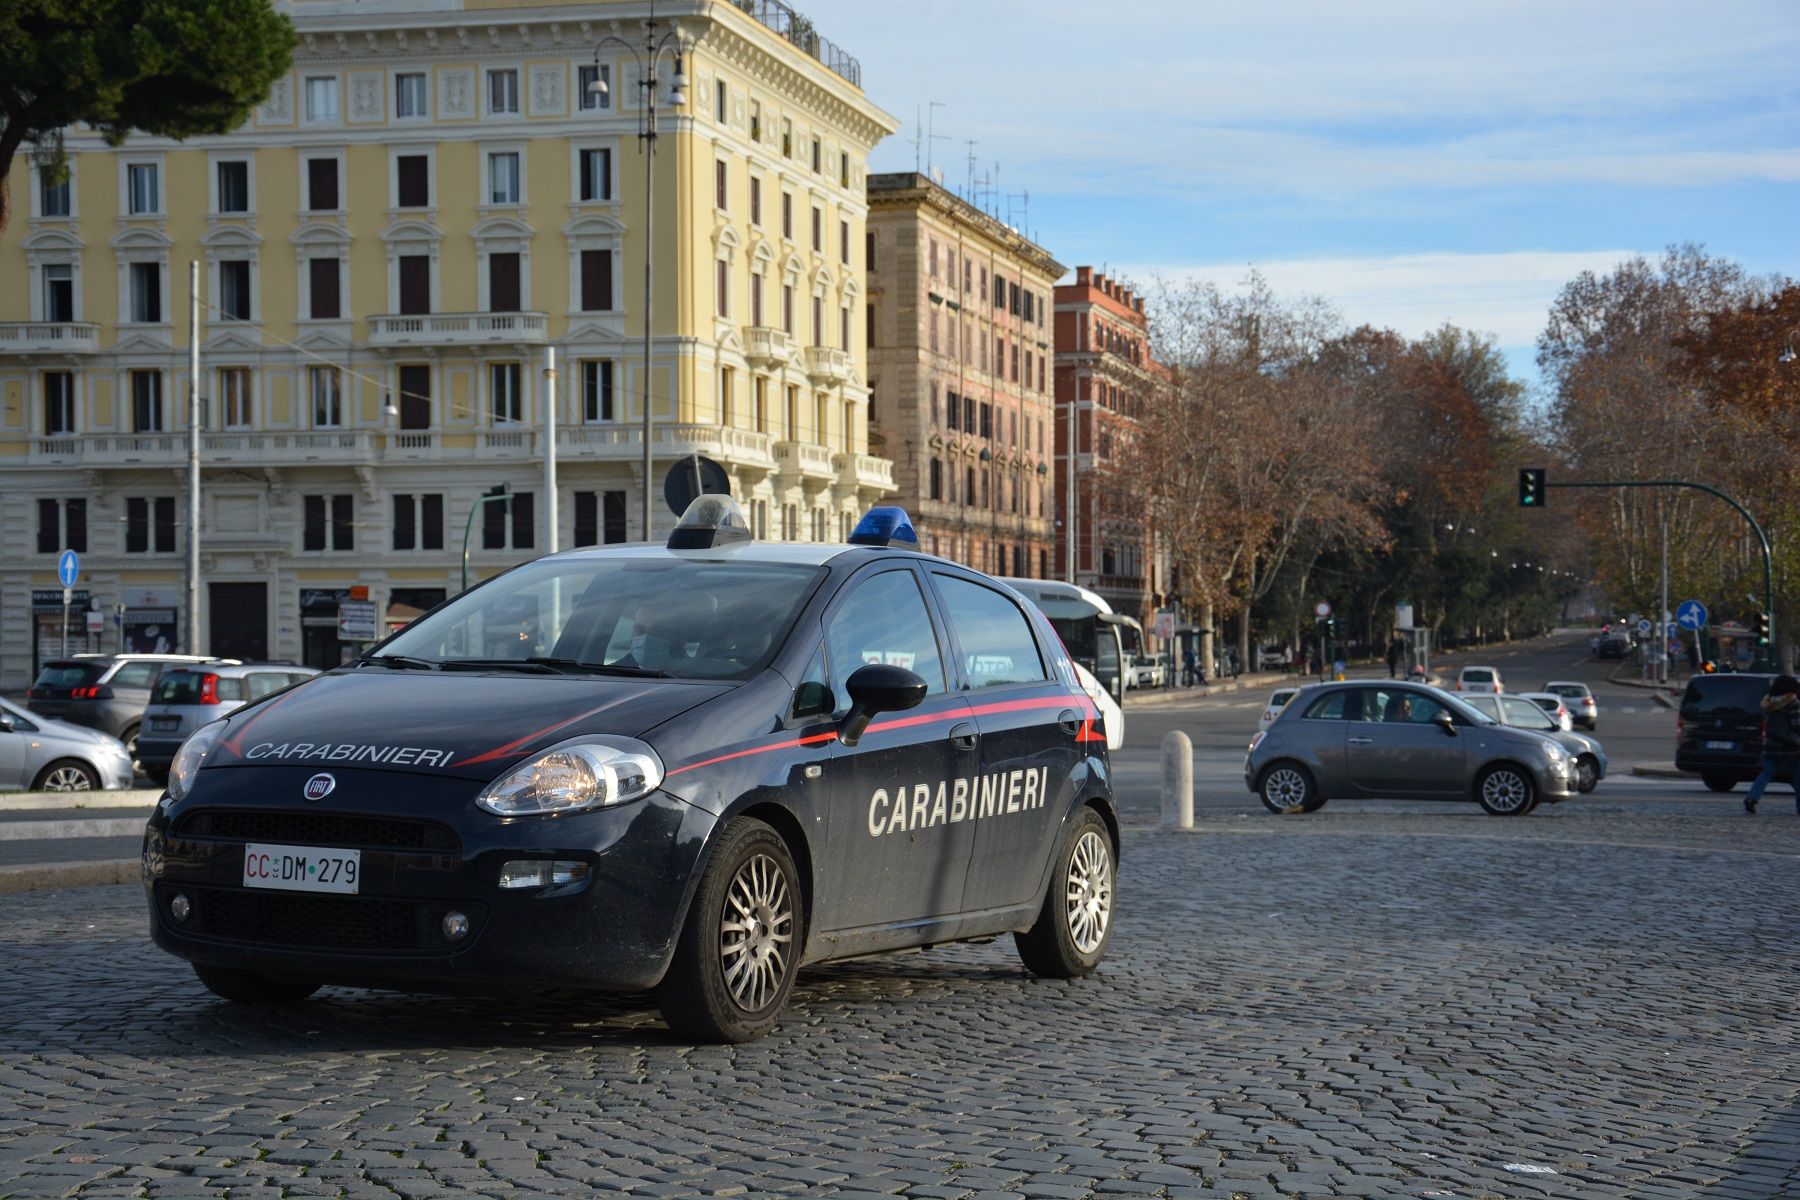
(1578, 698)
(1278, 700)
(1553, 705)
(1480, 679)
(1149, 671)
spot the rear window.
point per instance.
(1571, 691)
(1724, 696)
(1478, 676)
(69, 674)
(183, 687)
(1280, 698)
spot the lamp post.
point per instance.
(500, 494)
(647, 62)
(193, 462)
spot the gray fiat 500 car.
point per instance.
(1590, 755)
(1401, 741)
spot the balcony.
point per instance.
(394, 331)
(50, 337)
(865, 472)
(825, 365)
(239, 448)
(767, 347)
(804, 461)
(734, 449)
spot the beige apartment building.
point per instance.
(434, 197)
(961, 357)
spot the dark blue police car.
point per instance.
(691, 768)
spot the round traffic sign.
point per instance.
(691, 477)
(68, 568)
(1691, 614)
(1322, 609)
(1644, 626)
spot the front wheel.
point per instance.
(1075, 923)
(1288, 787)
(67, 775)
(1718, 783)
(251, 987)
(740, 948)
(1506, 791)
(1587, 774)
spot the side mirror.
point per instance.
(1445, 722)
(877, 689)
(6, 722)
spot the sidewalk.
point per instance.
(51, 840)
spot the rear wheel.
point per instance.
(67, 775)
(130, 736)
(1288, 787)
(1718, 783)
(252, 987)
(1506, 791)
(1075, 923)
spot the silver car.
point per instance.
(1402, 741)
(39, 754)
(1524, 713)
(185, 698)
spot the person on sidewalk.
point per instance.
(1781, 739)
(1393, 656)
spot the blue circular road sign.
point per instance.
(1691, 614)
(68, 568)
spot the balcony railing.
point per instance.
(768, 346)
(232, 446)
(826, 365)
(799, 30)
(739, 448)
(865, 471)
(49, 337)
(457, 329)
(804, 459)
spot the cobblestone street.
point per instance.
(1422, 1002)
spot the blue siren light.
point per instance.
(885, 525)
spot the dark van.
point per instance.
(1718, 734)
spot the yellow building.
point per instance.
(430, 200)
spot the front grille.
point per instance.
(302, 922)
(285, 827)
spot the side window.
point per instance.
(135, 675)
(261, 684)
(295, 677)
(813, 697)
(993, 635)
(883, 620)
(1329, 707)
(1399, 708)
(20, 723)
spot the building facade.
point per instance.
(960, 350)
(1103, 366)
(432, 198)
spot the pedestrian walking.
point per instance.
(1187, 667)
(1393, 657)
(1781, 739)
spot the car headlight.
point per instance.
(191, 757)
(589, 772)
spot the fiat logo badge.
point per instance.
(319, 786)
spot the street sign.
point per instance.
(1322, 609)
(1691, 614)
(1643, 626)
(96, 623)
(356, 620)
(68, 568)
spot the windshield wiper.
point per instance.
(399, 662)
(570, 664)
(497, 664)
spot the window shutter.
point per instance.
(403, 521)
(415, 283)
(343, 521)
(596, 280)
(503, 282)
(48, 533)
(321, 183)
(431, 521)
(587, 519)
(524, 522)
(165, 524)
(324, 278)
(414, 181)
(75, 525)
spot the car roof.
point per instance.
(1480, 667)
(232, 667)
(810, 554)
(1567, 683)
(1539, 695)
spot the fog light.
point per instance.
(540, 872)
(179, 907)
(456, 926)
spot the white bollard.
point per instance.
(1177, 780)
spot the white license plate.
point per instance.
(301, 868)
(1721, 745)
(164, 724)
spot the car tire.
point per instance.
(253, 987)
(1589, 774)
(1287, 787)
(1718, 783)
(1506, 790)
(129, 735)
(1075, 923)
(67, 775)
(729, 980)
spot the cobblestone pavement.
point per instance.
(1404, 1003)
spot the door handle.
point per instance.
(1070, 720)
(1362, 741)
(963, 736)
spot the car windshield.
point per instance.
(70, 674)
(1724, 696)
(1526, 714)
(630, 616)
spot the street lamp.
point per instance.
(647, 62)
(500, 494)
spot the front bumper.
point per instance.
(158, 752)
(425, 851)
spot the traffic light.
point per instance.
(1762, 629)
(502, 493)
(1532, 486)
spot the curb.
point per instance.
(50, 877)
(79, 827)
(138, 798)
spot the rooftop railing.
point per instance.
(799, 30)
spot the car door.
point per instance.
(13, 745)
(1397, 749)
(896, 849)
(1028, 724)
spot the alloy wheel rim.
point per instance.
(1089, 892)
(67, 779)
(1286, 788)
(1504, 790)
(757, 933)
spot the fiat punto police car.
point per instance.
(691, 768)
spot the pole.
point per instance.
(1069, 519)
(550, 506)
(65, 645)
(1662, 615)
(193, 477)
(1177, 780)
(649, 85)
(468, 528)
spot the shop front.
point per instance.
(47, 633)
(320, 644)
(151, 621)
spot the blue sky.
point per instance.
(1411, 162)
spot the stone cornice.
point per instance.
(910, 189)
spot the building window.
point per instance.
(503, 282)
(596, 280)
(787, 309)
(818, 157)
(322, 98)
(759, 398)
(597, 391)
(53, 195)
(412, 181)
(59, 292)
(418, 521)
(146, 402)
(328, 522)
(234, 186)
(599, 517)
(1012, 292)
(787, 215)
(143, 197)
(234, 396)
(722, 286)
(149, 524)
(415, 283)
(756, 120)
(495, 519)
(409, 95)
(59, 402)
(587, 85)
(721, 184)
(937, 479)
(323, 303)
(787, 138)
(844, 242)
(756, 201)
(72, 532)
(503, 393)
(595, 174)
(818, 230)
(503, 92)
(326, 387)
(503, 178)
(146, 292)
(818, 320)
(999, 291)
(234, 289)
(415, 396)
(756, 298)
(844, 328)
(322, 184)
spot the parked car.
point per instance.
(107, 692)
(188, 697)
(1517, 711)
(1271, 658)
(1480, 679)
(1553, 706)
(1403, 741)
(1149, 671)
(1578, 698)
(1718, 730)
(1278, 700)
(45, 755)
